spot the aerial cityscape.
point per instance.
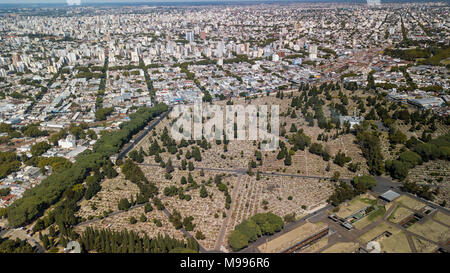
(225, 127)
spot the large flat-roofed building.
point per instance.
(389, 196)
(426, 102)
(78, 150)
(398, 97)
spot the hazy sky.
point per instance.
(97, 1)
(131, 1)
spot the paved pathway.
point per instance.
(244, 171)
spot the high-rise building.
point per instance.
(190, 36)
(134, 56)
(313, 52)
(220, 49)
(372, 3)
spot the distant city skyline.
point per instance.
(124, 1)
(154, 1)
(61, 2)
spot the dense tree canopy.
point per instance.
(15, 246)
(371, 148)
(250, 229)
(40, 148)
(103, 113)
(9, 163)
(107, 241)
(363, 183)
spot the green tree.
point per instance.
(397, 137)
(199, 235)
(288, 160)
(40, 148)
(293, 128)
(203, 192)
(341, 159)
(148, 207)
(143, 218)
(363, 183)
(237, 240)
(103, 113)
(397, 169)
(289, 217)
(124, 204)
(410, 157)
(187, 223)
(169, 166)
(371, 148)
(77, 131)
(335, 176)
(4, 191)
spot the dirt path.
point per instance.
(223, 229)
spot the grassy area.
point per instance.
(446, 61)
(397, 243)
(369, 201)
(399, 214)
(372, 217)
(376, 214)
(439, 57)
(428, 56)
(423, 246)
(354, 205)
(410, 202)
(378, 230)
(431, 230)
(442, 217)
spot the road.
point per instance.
(384, 184)
(239, 171)
(139, 136)
(109, 215)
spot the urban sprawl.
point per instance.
(85, 133)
